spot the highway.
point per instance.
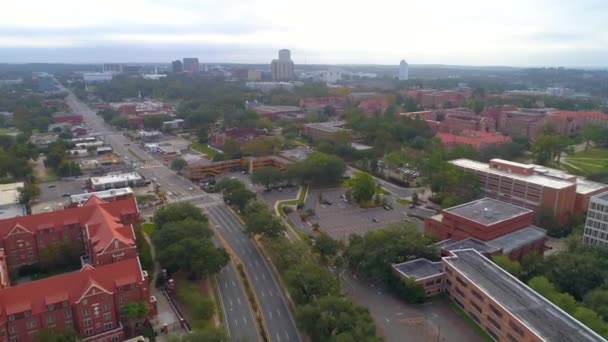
(239, 319)
(279, 322)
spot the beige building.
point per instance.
(282, 68)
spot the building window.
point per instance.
(438, 281)
(429, 283)
(13, 339)
(65, 304)
(495, 311)
(516, 328)
(12, 329)
(494, 323)
(474, 317)
(31, 324)
(459, 291)
(477, 295)
(476, 306)
(85, 312)
(106, 307)
(67, 314)
(121, 299)
(11, 318)
(107, 316)
(86, 322)
(50, 319)
(114, 339)
(69, 324)
(511, 338)
(51, 307)
(88, 332)
(27, 313)
(461, 282)
(107, 326)
(492, 334)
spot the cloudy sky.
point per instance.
(464, 32)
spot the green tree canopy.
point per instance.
(260, 221)
(177, 212)
(319, 168)
(308, 282)
(267, 176)
(178, 164)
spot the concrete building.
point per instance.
(172, 124)
(105, 195)
(9, 201)
(147, 136)
(254, 75)
(190, 65)
(489, 226)
(112, 67)
(332, 130)
(403, 70)
(503, 306)
(596, 225)
(283, 68)
(97, 76)
(275, 112)
(533, 186)
(115, 181)
(238, 134)
(177, 66)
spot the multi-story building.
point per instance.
(114, 181)
(489, 226)
(283, 68)
(403, 70)
(102, 230)
(112, 67)
(190, 65)
(332, 130)
(476, 139)
(596, 225)
(239, 134)
(254, 75)
(533, 186)
(177, 66)
(88, 301)
(503, 306)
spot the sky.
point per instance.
(464, 32)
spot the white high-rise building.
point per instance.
(596, 225)
(403, 70)
(282, 68)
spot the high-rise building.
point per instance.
(596, 225)
(403, 70)
(190, 65)
(177, 66)
(112, 67)
(282, 68)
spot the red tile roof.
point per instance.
(102, 218)
(37, 295)
(476, 139)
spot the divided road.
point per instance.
(237, 314)
(279, 322)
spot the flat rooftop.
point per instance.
(541, 316)
(512, 241)
(419, 268)
(603, 196)
(585, 186)
(470, 243)
(334, 126)
(534, 179)
(12, 210)
(121, 177)
(487, 211)
(276, 109)
(78, 198)
(9, 193)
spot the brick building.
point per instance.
(318, 104)
(476, 139)
(533, 186)
(88, 301)
(494, 226)
(373, 106)
(333, 130)
(102, 229)
(503, 306)
(240, 135)
(74, 119)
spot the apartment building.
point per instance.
(596, 224)
(533, 186)
(503, 306)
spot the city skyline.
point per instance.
(465, 33)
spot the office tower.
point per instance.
(190, 65)
(177, 66)
(282, 68)
(403, 70)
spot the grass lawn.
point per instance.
(593, 161)
(202, 148)
(149, 228)
(196, 302)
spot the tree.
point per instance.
(175, 231)
(363, 187)
(178, 164)
(415, 197)
(28, 193)
(55, 335)
(576, 273)
(319, 169)
(177, 212)
(205, 335)
(325, 246)
(408, 289)
(155, 121)
(196, 256)
(598, 301)
(308, 282)
(267, 176)
(334, 319)
(507, 264)
(593, 133)
(134, 313)
(260, 221)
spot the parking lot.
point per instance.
(341, 219)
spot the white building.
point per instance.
(9, 201)
(114, 181)
(403, 70)
(596, 225)
(97, 76)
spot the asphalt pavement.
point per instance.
(271, 300)
(281, 326)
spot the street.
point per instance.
(238, 317)
(279, 322)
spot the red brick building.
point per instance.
(496, 226)
(476, 139)
(102, 229)
(240, 135)
(318, 104)
(74, 119)
(533, 186)
(88, 301)
(373, 106)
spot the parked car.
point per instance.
(375, 220)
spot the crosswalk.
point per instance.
(208, 199)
